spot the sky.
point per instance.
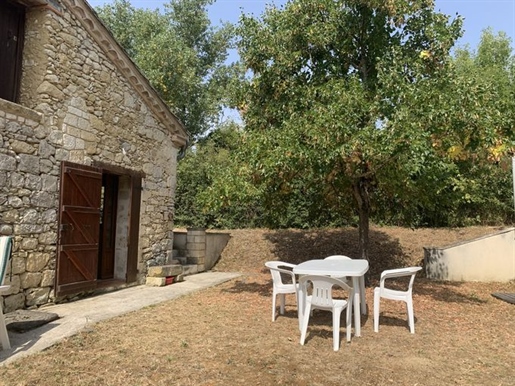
(478, 14)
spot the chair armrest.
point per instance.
(399, 272)
(287, 272)
(289, 265)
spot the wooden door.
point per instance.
(108, 227)
(79, 228)
(12, 20)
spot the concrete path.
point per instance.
(75, 316)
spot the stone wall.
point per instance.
(28, 202)
(212, 243)
(75, 106)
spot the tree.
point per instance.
(471, 116)
(339, 93)
(198, 204)
(181, 54)
(486, 141)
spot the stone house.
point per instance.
(88, 155)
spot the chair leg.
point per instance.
(411, 316)
(336, 329)
(348, 316)
(305, 321)
(4, 337)
(297, 302)
(273, 306)
(282, 301)
(376, 310)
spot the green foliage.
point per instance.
(354, 110)
(473, 140)
(180, 52)
(471, 113)
(331, 98)
(203, 179)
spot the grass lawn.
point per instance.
(224, 335)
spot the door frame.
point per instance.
(132, 231)
(136, 179)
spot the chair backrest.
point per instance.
(338, 257)
(400, 272)
(276, 270)
(322, 289)
(6, 244)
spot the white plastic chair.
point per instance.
(341, 257)
(6, 243)
(387, 293)
(322, 298)
(279, 286)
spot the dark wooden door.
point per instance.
(12, 20)
(108, 227)
(79, 228)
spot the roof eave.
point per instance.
(104, 38)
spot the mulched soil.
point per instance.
(224, 335)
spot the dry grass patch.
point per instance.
(225, 336)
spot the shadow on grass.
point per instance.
(295, 246)
(244, 285)
(395, 321)
(445, 292)
(385, 252)
(321, 324)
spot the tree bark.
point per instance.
(362, 197)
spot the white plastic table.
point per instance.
(355, 268)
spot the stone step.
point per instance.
(190, 269)
(162, 281)
(179, 261)
(183, 260)
(162, 275)
(165, 270)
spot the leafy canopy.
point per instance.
(181, 54)
(336, 95)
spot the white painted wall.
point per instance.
(487, 259)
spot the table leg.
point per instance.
(357, 311)
(363, 297)
(301, 304)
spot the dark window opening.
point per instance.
(108, 214)
(12, 29)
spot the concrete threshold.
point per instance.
(77, 315)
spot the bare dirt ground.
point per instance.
(224, 335)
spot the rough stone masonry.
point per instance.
(83, 101)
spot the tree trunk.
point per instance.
(362, 197)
